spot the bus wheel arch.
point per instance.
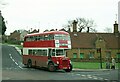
(29, 63)
(51, 66)
(69, 70)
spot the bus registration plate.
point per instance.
(64, 67)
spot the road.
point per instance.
(13, 69)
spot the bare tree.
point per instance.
(46, 30)
(82, 23)
(2, 21)
(67, 26)
(62, 29)
(108, 30)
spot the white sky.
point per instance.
(48, 14)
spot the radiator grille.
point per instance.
(65, 63)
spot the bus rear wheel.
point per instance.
(51, 67)
(29, 64)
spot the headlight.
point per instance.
(70, 62)
(57, 62)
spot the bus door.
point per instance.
(51, 55)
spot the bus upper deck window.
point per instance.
(51, 37)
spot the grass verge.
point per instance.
(90, 65)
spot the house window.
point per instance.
(118, 55)
(91, 55)
(74, 55)
(81, 55)
(108, 54)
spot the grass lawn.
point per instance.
(19, 46)
(89, 65)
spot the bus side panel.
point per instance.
(40, 61)
(46, 43)
(25, 59)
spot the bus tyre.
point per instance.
(69, 70)
(29, 64)
(51, 67)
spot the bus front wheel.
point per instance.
(51, 67)
(69, 70)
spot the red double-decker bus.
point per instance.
(47, 49)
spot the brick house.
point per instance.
(18, 36)
(14, 37)
(85, 45)
(22, 35)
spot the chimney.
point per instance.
(116, 27)
(74, 26)
(88, 29)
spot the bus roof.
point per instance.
(48, 32)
